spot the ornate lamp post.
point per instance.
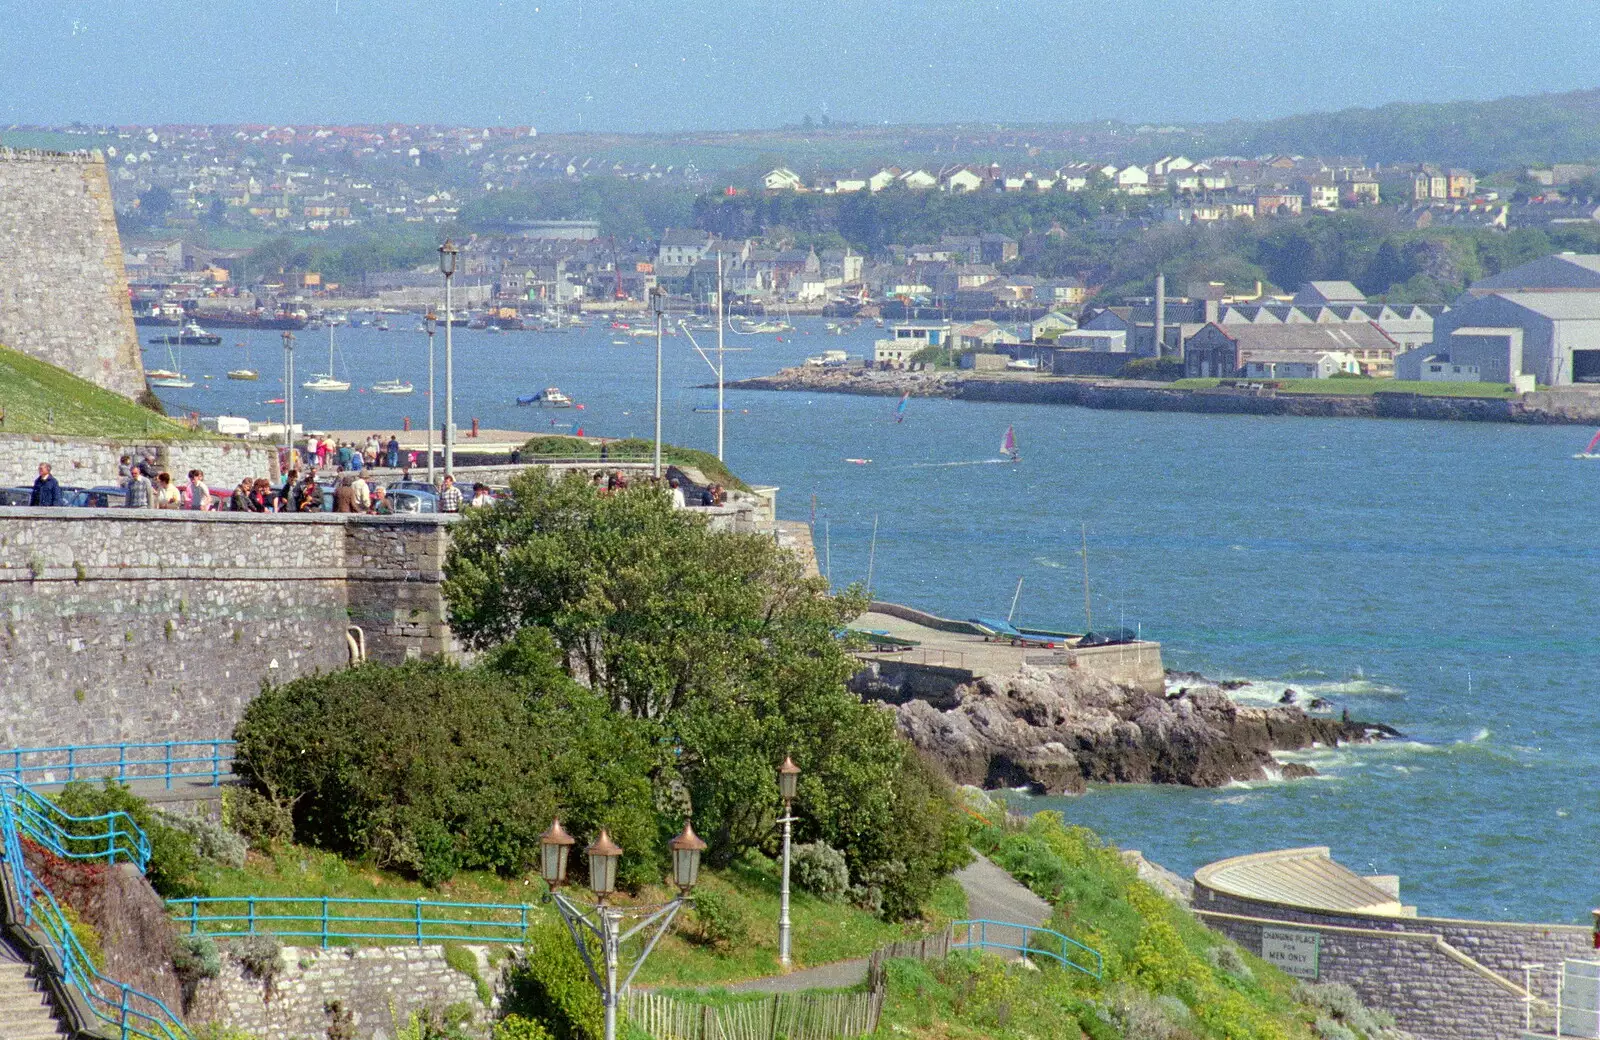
(447, 267)
(788, 785)
(658, 303)
(430, 321)
(605, 922)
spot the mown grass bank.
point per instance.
(39, 398)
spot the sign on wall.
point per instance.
(1291, 951)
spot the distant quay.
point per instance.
(1566, 406)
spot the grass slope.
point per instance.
(1166, 976)
(41, 398)
(823, 932)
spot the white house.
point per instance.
(962, 179)
(1134, 180)
(919, 180)
(883, 178)
(1438, 368)
(783, 179)
(1295, 364)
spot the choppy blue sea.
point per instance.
(1443, 578)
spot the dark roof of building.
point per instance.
(1548, 273)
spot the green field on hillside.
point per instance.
(36, 397)
(1365, 387)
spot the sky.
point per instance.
(650, 65)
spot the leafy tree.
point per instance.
(155, 203)
(720, 646)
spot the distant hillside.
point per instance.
(36, 397)
(1539, 128)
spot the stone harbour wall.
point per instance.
(63, 291)
(380, 987)
(152, 626)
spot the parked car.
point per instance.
(411, 485)
(104, 497)
(409, 501)
(16, 496)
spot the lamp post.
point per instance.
(429, 322)
(658, 297)
(447, 266)
(605, 922)
(288, 390)
(788, 785)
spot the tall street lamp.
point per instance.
(447, 266)
(288, 390)
(788, 786)
(658, 303)
(429, 322)
(604, 921)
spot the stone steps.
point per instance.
(25, 1012)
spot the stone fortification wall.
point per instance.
(124, 626)
(63, 290)
(380, 987)
(87, 462)
(1432, 989)
(1388, 971)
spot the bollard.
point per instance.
(474, 427)
(406, 424)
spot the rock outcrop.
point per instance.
(1056, 730)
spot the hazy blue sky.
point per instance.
(644, 64)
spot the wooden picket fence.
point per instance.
(784, 1016)
(781, 1016)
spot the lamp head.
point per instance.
(447, 258)
(603, 856)
(554, 845)
(788, 780)
(429, 320)
(686, 849)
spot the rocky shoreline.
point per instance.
(1567, 406)
(1056, 730)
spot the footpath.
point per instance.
(992, 895)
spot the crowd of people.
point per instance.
(325, 476)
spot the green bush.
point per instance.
(1161, 369)
(515, 1027)
(212, 841)
(173, 870)
(88, 937)
(820, 869)
(263, 823)
(432, 769)
(719, 923)
(551, 985)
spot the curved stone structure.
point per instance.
(1442, 978)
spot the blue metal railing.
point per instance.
(1035, 942)
(133, 1014)
(328, 919)
(208, 761)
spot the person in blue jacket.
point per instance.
(46, 489)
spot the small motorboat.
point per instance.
(162, 373)
(173, 382)
(860, 462)
(243, 373)
(549, 397)
(190, 333)
(392, 386)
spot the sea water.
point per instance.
(1438, 577)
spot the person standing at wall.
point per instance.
(344, 496)
(449, 496)
(199, 494)
(139, 489)
(166, 496)
(394, 452)
(362, 492)
(46, 488)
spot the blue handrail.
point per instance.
(324, 918)
(195, 760)
(1065, 948)
(135, 1015)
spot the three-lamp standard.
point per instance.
(448, 253)
(788, 786)
(658, 303)
(429, 322)
(604, 921)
